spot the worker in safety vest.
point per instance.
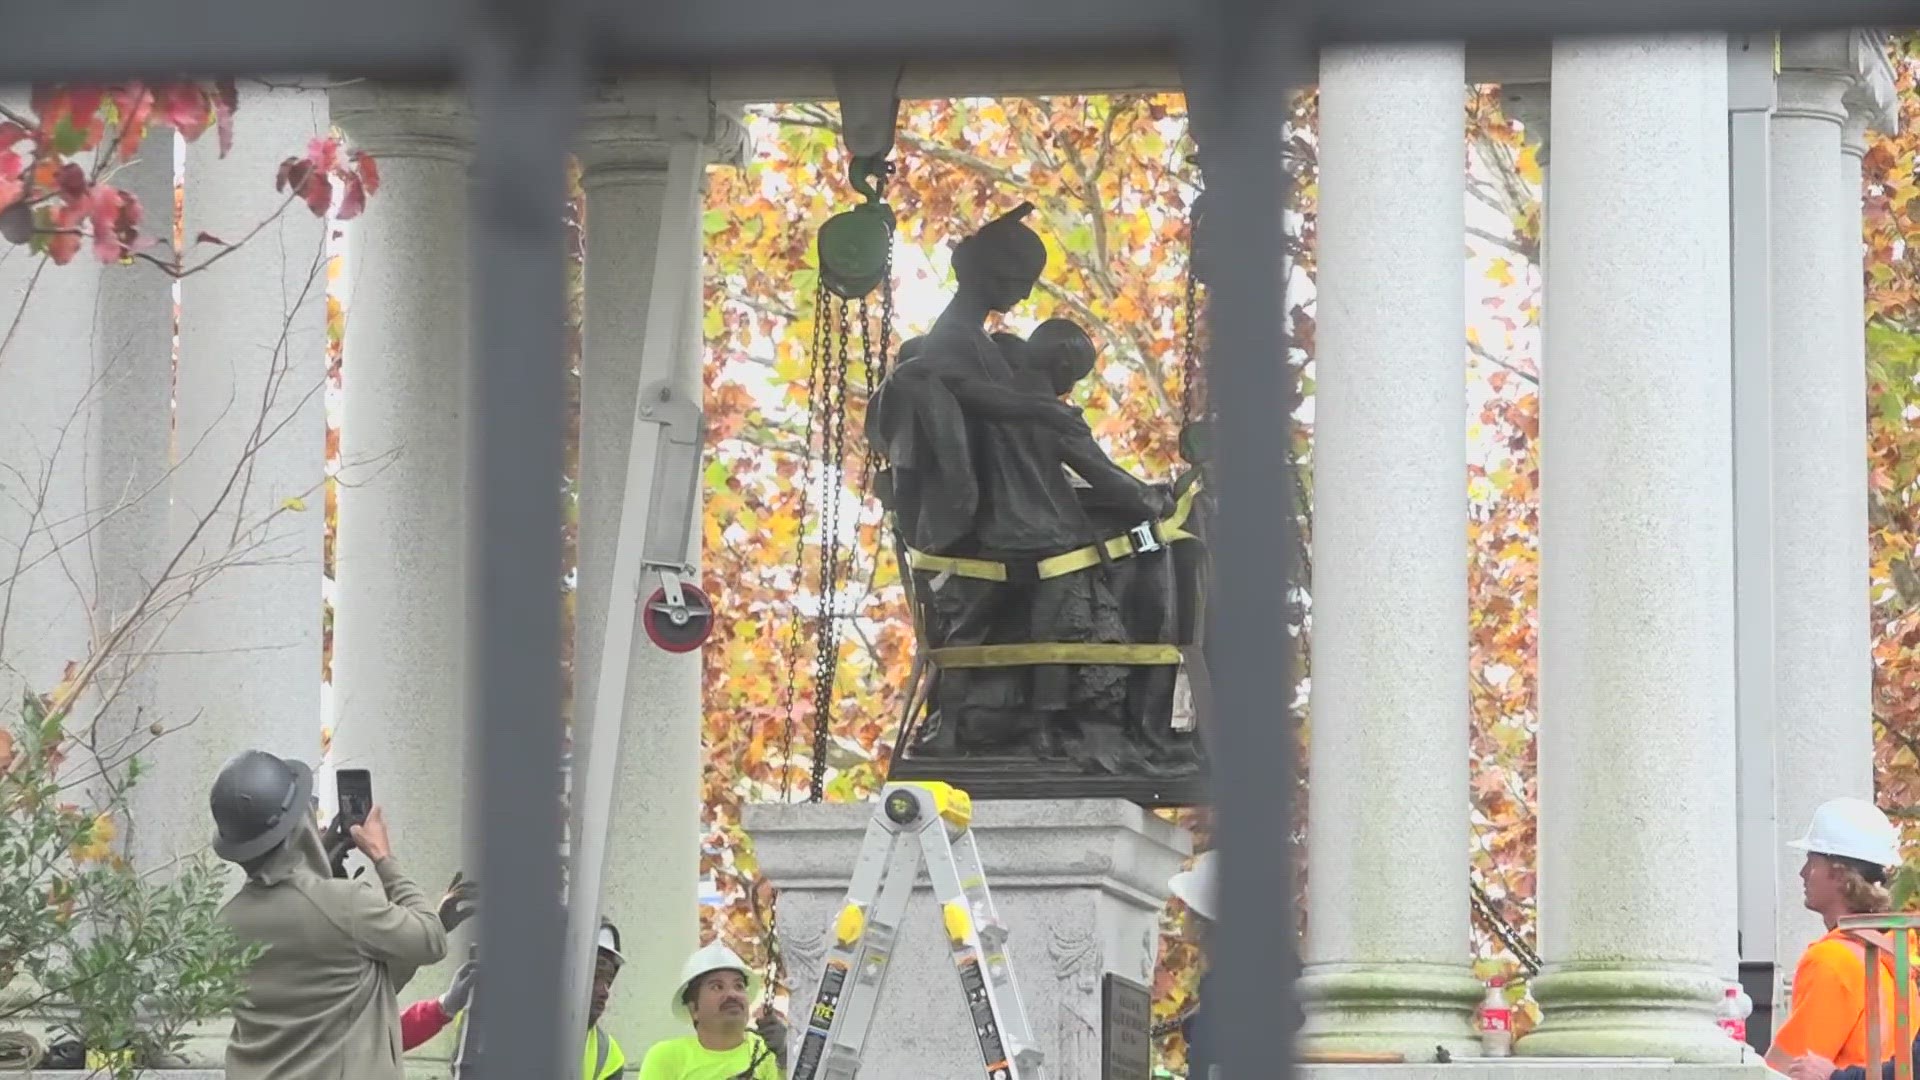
(716, 989)
(1849, 847)
(602, 1058)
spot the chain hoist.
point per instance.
(856, 257)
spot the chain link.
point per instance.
(1175, 1022)
(827, 662)
(1483, 907)
(877, 360)
(1191, 375)
(822, 315)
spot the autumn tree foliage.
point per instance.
(1890, 189)
(1112, 181)
(58, 159)
(1504, 178)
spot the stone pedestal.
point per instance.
(1525, 1069)
(1080, 884)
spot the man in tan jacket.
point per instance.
(321, 1001)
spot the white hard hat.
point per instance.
(608, 940)
(1195, 887)
(1851, 829)
(711, 958)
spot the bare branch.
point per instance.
(1505, 243)
(26, 296)
(763, 306)
(1480, 351)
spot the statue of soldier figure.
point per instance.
(979, 444)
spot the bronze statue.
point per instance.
(978, 446)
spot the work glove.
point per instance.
(457, 905)
(339, 845)
(460, 991)
(773, 1031)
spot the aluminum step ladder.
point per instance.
(917, 822)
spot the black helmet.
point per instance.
(257, 801)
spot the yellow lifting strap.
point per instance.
(1165, 531)
(1053, 652)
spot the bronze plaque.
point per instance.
(1126, 1030)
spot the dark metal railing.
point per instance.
(527, 64)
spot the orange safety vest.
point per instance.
(1828, 1013)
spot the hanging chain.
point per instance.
(1483, 907)
(877, 355)
(816, 380)
(827, 662)
(1175, 1022)
(1191, 375)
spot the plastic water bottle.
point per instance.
(1496, 1020)
(1734, 1010)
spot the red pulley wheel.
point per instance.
(685, 634)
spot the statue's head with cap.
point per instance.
(1001, 263)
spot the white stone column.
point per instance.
(401, 655)
(127, 449)
(85, 373)
(1823, 653)
(653, 848)
(241, 662)
(1636, 602)
(1387, 935)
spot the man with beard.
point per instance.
(716, 989)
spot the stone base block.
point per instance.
(1535, 1069)
(1079, 882)
(155, 1074)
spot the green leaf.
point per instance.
(1891, 407)
(714, 221)
(68, 139)
(717, 474)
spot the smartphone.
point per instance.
(355, 789)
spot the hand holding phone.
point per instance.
(370, 836)
(355, 790)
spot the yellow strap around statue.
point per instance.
(1166, 531)
(1053, 652)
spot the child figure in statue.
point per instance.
(977, 444)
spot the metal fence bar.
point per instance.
(424, 38)
(1242, 59)
(526, 77)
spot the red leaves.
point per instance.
(51, 191)
(115, 217)
(301, 177)
(136, 110)
(184, 107)
(226, 101)
(314, 176)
